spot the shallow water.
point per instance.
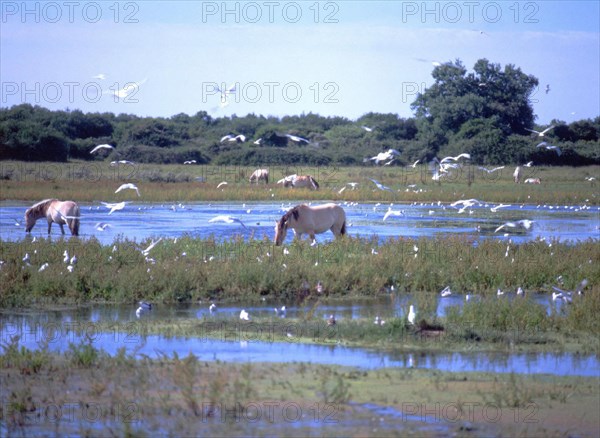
(139, 221)
(242, 343)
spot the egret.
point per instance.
(542, 133)
(212, 308)
(146, 251)
(101, 146)
(244, 315)
(129, 186)
(411, 315)
(391, 212)
(114, 207)
(227, 219)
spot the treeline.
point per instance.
(485, 113)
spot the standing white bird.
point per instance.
(542, 133)
(244, 315)
(212, 308)
(411, 315)
(227, 219)
(144, 308)
(101, 146)
(129, 186)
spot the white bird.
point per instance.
(380, 186)
(244, 315)
(520, 292)
(378, 321)
(144, 308)
(146, 251)
(446, 292)
(352, 184)
(542, 133)
(259, 141)
(411, 315)
(388, 155)
(26, 258)
(102, 226)
(227, 219)
(100, 76)
(66, 257)
(114, 207)
(101, 146)
(189, 162)
(44, 266)
(212, 308)
(222, 183)
(129, 88)
(458, 157)
(414, 165)
(129, 186)
(499, 292)
(341, 190)
(73, 260)
(499, 206)
(490, 170)
(524, 223)
(296, 138)
(280, 312)
(528, 164)
(239, 138)
(116, 163)
(578, 289)
(70, 268)
(549, 147)
(319, 287)
(391, 212)
(366, 128)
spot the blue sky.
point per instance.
(331, 58)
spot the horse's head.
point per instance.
(29, 220)
(281, 227)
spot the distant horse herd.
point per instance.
(303, 219)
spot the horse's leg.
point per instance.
(49, 226)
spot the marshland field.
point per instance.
(57, 378)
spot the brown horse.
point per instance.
(311, 220)
(299, 181)
(61, 212)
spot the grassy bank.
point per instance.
(193, 269)
(140, 396)
(97, 181)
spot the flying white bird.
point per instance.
(391, 212)
(128, 186)
(458, 157)
(101, 146)
(549, 147)
(446, 292)
(129, 88)
(528, 164)
(380, 186)
(490, 170)
(227, 219)
(414, 165)
(190, 162)
(388, 155)
(259, 141)
(297, 139)
(524, 223)
(497, 207)
(102, 226)
(100, 76)
(116, 163)
(366, 128)
(542, 133)
(146, 251)
(578, 289)
(114, 207)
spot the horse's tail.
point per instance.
(74, 226)
(314, 183)
(343, 230)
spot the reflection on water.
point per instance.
(140, 221)
(59, 328)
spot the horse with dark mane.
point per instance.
(259, 174)
(304, 219)
(61, 212)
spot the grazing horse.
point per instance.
(259, 174)
(299, 181)
(532, 181)
(61, 212)
(311, 220)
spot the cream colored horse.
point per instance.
(299, 181)
(304, 219)
(61, 212)
(259, 174)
